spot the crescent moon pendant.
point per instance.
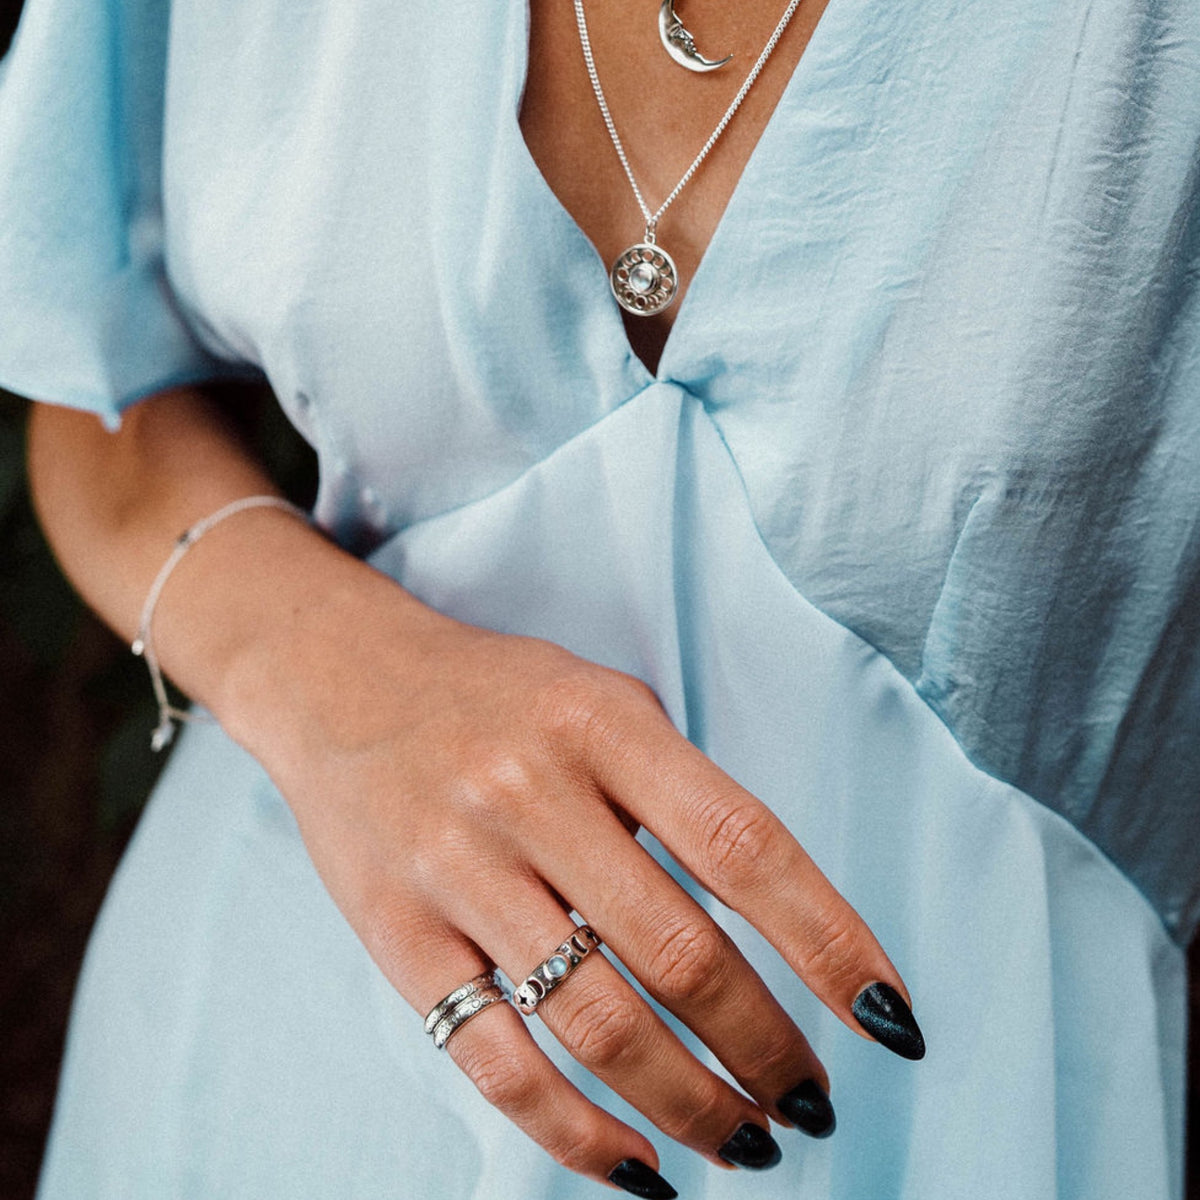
(680, 44)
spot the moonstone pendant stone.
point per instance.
(557, 966)
(644, 279)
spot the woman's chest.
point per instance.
(605, 82)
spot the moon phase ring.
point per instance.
(549, 973)
(465, 1002)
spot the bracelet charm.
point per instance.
(143, 644)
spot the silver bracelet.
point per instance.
(143, 646)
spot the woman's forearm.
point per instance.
(112, 505)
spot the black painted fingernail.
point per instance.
(881, 1011)
(753, 1147)
(634, 1177)
(807, 1107)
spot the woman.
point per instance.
(900, 525)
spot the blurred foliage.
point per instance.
(10, 10)
(36, 603)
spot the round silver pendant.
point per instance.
(644, 279)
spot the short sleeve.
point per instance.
(87, 316)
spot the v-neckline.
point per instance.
(760, 152)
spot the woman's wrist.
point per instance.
(312, 638)
(225, 619)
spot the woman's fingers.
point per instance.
(690, 965)
(740, 851)
(496, 1052)
(538, 814)
(610, 1029)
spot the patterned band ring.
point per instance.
(462, 1012)
(456, 997)
(548, 974)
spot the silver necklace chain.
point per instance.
(652, 218)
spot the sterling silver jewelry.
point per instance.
(462, 1013)
(680, 44)
(463, 992)
(143, 644)
(549, 973)
(644, 278)
(466, 1001)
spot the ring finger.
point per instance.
(611, 1030)
(494, 1049)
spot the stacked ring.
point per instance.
(550, 972)
(465, 1002)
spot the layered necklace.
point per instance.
(644, 278)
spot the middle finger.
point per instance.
(611, 1030)
(692, 967)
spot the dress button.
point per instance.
(373, 506)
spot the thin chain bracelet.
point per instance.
(143, 645)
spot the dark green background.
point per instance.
(75, 767)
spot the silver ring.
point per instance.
(456, 997)
(550, 972)
(462, 1012)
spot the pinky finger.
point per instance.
(512, 1074)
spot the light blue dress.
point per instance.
(905, 532)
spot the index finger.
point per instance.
(741, 852)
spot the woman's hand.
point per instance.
(461, 791)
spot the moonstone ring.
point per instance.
(549, 973)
